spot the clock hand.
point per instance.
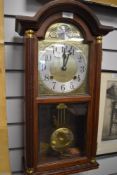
(65, 63)
(65, 59)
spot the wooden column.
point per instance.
(4, 154)
(98, 53)
(30, 94)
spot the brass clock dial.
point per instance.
(62, 67)
(63, 61)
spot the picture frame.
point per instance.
(107, 128)
(111, 3)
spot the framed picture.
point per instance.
(107, 130)
(112, 3)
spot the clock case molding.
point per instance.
(33, 29)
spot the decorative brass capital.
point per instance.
(29, 33)
(93, 160)
(29, 171)
(99, 39)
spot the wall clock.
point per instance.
(62, 81)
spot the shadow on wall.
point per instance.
(34, 5)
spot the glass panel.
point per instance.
(63, 61)
(62, 131)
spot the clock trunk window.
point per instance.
(62, 61)
(62, 131)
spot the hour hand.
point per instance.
(65, 60)
(64, 64)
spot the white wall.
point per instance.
(15, 77)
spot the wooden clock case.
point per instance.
(33, 29)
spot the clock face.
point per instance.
(63, 61)
(62, 67)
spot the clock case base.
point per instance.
(68, 170)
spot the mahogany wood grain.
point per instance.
(30, 105)
(45, 100)
(98, 53)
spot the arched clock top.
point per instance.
(69, 19)
(74, 7)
